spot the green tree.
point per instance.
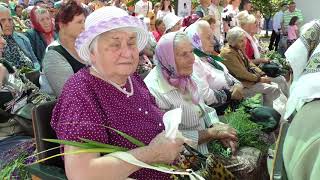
(268, 8)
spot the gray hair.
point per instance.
(234, 36)
(201, 24)
(180, 37)
(245, 18)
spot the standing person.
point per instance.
(229, 15)
(293, 31)
(247, 6)
(203, 7)
(143, 7)
(276, 28)
(292, 11)
(165, 8)
(216, 10)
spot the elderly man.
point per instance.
(18, 51)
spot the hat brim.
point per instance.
(85, 38)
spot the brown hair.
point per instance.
(162, 5)
(67, 12)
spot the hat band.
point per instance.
(107, 25)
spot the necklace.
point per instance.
(123, 90)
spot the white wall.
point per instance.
(310, 9)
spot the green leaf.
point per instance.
(92, 150)
(129, 138)
(71, 143)
(101, 145)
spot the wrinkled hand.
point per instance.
(265, 80)
(223, 131)
(165, 149)
(233, 145)
(237, 92)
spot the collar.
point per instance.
(156, 81)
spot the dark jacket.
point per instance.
(38, 43)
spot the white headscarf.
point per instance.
(304, 58)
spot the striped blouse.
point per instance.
(195, 117)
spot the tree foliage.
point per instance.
(267, 7)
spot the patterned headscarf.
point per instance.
(192, 33)
(304, 58)
(164, 55)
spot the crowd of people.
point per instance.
(109, 64)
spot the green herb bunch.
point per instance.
(248, 132)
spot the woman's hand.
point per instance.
(166, 150)
(265, 79)
(222, 131)
(237, 92)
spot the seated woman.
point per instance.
(218, 80)
(61, 60)
(301, 153)
(42, 33)
(109, 93)
(159, 29)
(248, 23)
(173, 86)
(252, 77)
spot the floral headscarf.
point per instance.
(164, 56)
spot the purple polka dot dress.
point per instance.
(88, 103)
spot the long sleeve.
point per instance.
(233, 63)
(57, 70)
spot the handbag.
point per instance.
(271, 69)
(207, 166)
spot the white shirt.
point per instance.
(229, 11)
(142, 8)
(277, 20)
(161, 14)
(195, 117)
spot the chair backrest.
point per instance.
(279, 171)
(41, 117)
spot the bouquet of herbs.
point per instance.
(248, 132)
(277, 58)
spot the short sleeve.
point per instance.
(78, 115)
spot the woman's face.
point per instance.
(161, 28)
(116, 53)
(250, 28)
(206, 37)
(45, 21)
(184, 58)
(74, 27)
(241, 43)
(167, 3)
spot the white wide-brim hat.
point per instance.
(170, 20)
(107, 19)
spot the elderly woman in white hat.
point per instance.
(172, 22)
(109, 93)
